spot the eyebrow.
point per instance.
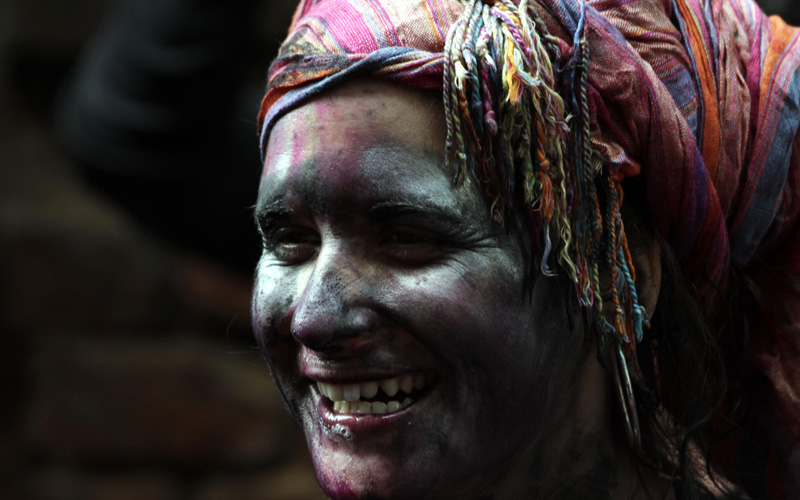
(387, 210)
(267, 214)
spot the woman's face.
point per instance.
(394, 313)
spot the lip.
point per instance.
(353, 376)
(359, 424)
(358, 376)
(351, 425)
(315, 369)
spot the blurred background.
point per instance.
(128, 165)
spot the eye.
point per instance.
(411, 245)
(407, 238)
(292, 244)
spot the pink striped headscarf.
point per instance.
(700, 98)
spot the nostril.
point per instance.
(333, 304)
(334, 331)
(313, 327)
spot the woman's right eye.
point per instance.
(292, 245)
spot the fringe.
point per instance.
(522, 128)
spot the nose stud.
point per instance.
(362, 319)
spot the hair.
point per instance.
(693, 373)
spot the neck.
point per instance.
(582, 456)
(589, 465)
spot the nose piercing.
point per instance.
(362, 319)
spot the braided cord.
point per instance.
(509, 126)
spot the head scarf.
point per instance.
(555, 102)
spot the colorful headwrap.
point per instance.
(553, 103)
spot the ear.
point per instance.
(647, 263)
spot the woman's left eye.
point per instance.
(407, 238)
(412, 246)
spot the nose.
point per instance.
(334, 312)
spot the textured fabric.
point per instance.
(329, 41)
(701, 99)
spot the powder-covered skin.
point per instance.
(375, 265)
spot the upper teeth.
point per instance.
(352, 393)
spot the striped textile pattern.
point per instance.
(700, 98)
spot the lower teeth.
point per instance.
(367, 408)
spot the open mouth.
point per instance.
(377, 397)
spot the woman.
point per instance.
(432, 314)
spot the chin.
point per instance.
(417, 452)
(359, 456)
(353, 477)
(348, 476)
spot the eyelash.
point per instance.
(412, 245)
(291, 244)
(409, 245)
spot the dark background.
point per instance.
(127, 364)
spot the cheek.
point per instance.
(504, 347)
(475, 317)
(474, 312)
(274, 296)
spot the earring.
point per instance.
(622, 381)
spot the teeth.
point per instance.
(341, 406)
(369, 389)
(335, 392)
(352, 392)
(390, 386)
(367, 408)
(347, 397)
(407, 383)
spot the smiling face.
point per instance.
(394, 314)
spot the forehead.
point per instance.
(365, 139)
(364, 110)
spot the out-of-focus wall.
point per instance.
(127, 363)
